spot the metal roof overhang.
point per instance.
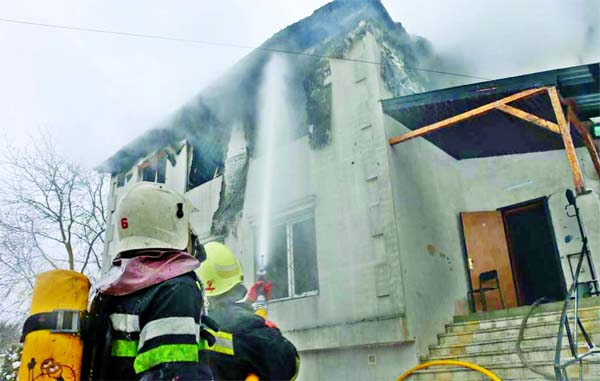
(497, 132)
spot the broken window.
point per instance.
(292, 260)
(154, 169)
(202, 168)
(123, 179)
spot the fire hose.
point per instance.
(464, 364)
(548, 376)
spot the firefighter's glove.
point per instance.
(209, 337)
(210, 323)
(206, 324)
(260, 287)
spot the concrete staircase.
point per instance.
(488, 340)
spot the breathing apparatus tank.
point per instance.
(53, 346)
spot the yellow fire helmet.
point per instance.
(221, 271)
(151, 216)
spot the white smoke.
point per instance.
(496, 39)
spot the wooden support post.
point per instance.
(567, 140)
(465, 115)
(530, 118)
(587, 139)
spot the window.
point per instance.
(203, 168)
(154, 169)
(292, 260)
(123, 179)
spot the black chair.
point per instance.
(486, 277)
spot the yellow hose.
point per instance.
(464, 364)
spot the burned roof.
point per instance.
(495, 132)
(233, 98)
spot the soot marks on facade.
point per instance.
(231, 197)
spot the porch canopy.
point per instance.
(530, 113)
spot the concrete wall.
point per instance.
(205, 199)
(360, 307)
(380, 363)
(176, 176)
(492, 183)
(428, 195)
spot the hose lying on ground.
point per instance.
(464, 364)
(548, 376)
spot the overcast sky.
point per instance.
(96, 92)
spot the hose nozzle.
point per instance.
(261, 274)
(260, 305)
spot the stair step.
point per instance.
(548, 340)
(544, 317)
(590, 324)
(485, 359)
(507, 372)
(489, 339)
(555, 307)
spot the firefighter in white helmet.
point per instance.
(246, 343)
(152, 302)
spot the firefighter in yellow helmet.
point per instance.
(246, 342)
(152, 299)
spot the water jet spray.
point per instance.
(275, 122)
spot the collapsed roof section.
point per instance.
(328, 32)
(207, 121)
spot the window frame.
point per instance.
(289, 223)
(155, 162)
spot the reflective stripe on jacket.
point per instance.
(245, 344)
(156, 333)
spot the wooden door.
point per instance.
(487, 250)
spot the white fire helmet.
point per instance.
(151, 216)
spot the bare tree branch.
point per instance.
(52, 215)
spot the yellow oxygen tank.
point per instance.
(53, 347)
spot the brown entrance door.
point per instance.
(487, 250)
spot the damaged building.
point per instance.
(377, 226)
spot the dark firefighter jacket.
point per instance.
(155, 329)
(245, 344)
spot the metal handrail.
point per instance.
(572, 336)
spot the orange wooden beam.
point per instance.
(587, 138)
(465, 115)
(567, 140)
(528, 117)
